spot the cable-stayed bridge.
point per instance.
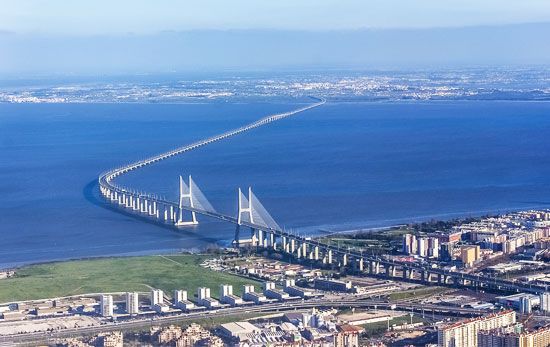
(266, 233)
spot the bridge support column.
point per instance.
(284, 241)
(292, 246)
(253, 237)
(361, 264)
(260, 234)
(273, 240)
(374, 267)
(316, 253)
(345, 259)
(172, 214)
(329, 256)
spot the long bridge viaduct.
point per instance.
(265, 232)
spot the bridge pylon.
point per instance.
(186, 199)
(244, 214)
(245, 207)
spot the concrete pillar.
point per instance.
(272, 240)
(329, 256)
(172, 213)
(361, 264)
(345, 259)
(292, 245)
(316, 253)
(254, 237)
(260, 237)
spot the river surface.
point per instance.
(340, 166)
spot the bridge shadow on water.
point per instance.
(91, 194)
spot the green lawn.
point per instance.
(115, 275)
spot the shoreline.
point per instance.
(320, 234)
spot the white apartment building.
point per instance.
(464, 333)
(132, 303)
(157, 297)
(106, 305)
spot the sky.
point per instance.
(60, 36)
(107, 17)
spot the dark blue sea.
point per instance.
(338, 167)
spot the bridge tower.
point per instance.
(244, 214)
(245, 207)
(186, 199)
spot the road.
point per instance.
(236, 311)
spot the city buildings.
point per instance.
(132, 303)
(465, 333)
(469, 255)
(250, 295)
(545, 302)
(204, 299)
(504, 338)
(181, 301)
(291, 288)
(332, 285)
(273, 293)
(106, 305)
(227, 297)
(426, 247)
(157, 297)
(347, 336)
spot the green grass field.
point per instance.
(115, 275)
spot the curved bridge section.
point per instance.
(169, 211)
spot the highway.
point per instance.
(236, 311)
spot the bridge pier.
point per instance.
(360, 264)
(272, 240)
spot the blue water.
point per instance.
(338, 167)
